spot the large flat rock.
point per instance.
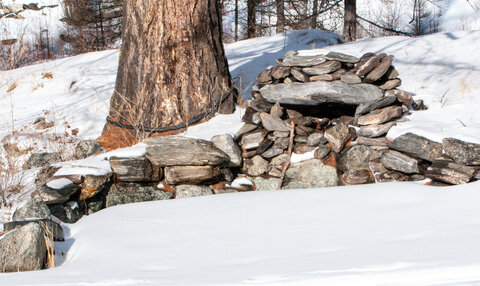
(183, 151)
(314, 93)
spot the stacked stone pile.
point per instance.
(364, 95)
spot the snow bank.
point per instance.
(400, 233)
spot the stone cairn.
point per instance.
(336, 106)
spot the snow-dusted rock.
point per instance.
(23, 249)
(34, 208)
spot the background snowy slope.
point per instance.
(443, 69)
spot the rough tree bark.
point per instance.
(350, 21)
(172, 68)
(251, 18)
(280, 16)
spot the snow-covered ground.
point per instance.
(382, 234)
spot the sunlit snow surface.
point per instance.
(382, 234)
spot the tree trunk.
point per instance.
(236, 20)
(313, 21)
(251, 18)
(350, 21)
(280, 16)
(172, 68)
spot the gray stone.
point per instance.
(382, 141)
(45, 174)
(369, 65)
(419, 105)
(260, 105)
(42, 159)
(354, 177)
(53, 196)
(417, 146)
(397, 161)
(281, 134)
(335, 56)
(51, 228)
(323, 77)
(87, 148)
(176, 175)
(392, 73)
(266, 184)
(292, 59)
(375, 130)
(34, 208)
(127, 193)
(354, 158)
(379, 70)
(321, 152)
(391, 84)
(272, 152)
(67, 213)
(96, 203)
(188, 191)
(391, 176)
(132, 169)
(178, 150)
(401, 95)
(280, 72)
(301, 148)
(299, 75)
(450, 172)
(301, 139)
(23, 249)
(273, 123)
(384, 115)
(226, 143)
(256, 166)
(246, 128)
(316, 139)
(279, 160)
(461, 151)
(375, 104)
(314, 93)
(337, 135)
(350, 78)
(327, 67)
(277, 110)
(265, 77)
(310, 174)
(253, 140)
(266, 144)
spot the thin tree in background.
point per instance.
(350, 21)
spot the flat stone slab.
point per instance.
(449, 172)
(178, 150)
(417, 146)
(397, 161)
(461, 151)
(326, 67)
(314, 93)
(292, 59)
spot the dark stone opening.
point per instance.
(328, 110)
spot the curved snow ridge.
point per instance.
(388, 233)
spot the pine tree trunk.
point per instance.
(313, 22)
(350, 21)
(251, 18)
(172, 66)
(280, 16)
